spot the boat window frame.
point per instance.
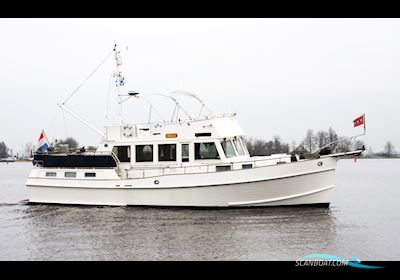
(232, 145)
(159, 151)
(244, 146)
(152, 152)
(188, 150)
(129, 153)
(240, 142)
(206, 142)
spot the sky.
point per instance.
(280, 76)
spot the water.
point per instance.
(363, 221)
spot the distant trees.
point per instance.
(321, 138)
(311, 142)
(358, 145)
(3, 150)
(277, 146)
(332, 136)
(29, 150)
(389, 149)
(256, 147)
(259, 147)
(344, 145)
(293, 146)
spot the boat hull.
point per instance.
(309, 182)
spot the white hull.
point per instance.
(297, 183)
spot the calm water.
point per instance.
(363, 221)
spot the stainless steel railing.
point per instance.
(144, 171)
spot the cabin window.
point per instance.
(202, 134)
(90, 174)
(205, 151)
(222, 168)
(239, 147)
(123, 153)
(51, 174)
(70, 174)
(185, 152)
(167, 152)
(144, 153)
(247, 166)
(228, 148)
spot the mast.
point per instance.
(119, 80)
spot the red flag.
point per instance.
(359, 121)
(41, 136)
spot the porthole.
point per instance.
(156, 182)
(320, 163)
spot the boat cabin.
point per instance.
(181, 143)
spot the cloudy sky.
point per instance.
(281, 76)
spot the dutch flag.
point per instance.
(42, 143)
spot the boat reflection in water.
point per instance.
(147, 233)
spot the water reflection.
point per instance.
(145, 233)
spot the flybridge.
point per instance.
(216, 127)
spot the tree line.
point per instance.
(311, 142)
(4, 150)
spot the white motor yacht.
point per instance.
(192, 162)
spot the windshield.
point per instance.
(228, 148)
(239, 147)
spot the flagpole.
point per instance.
(45, 136)
(365, 128)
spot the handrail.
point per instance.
(210, 117)
(115, 157)
(206, 167)
(221, 163)
(351, 139)
(162, 169)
